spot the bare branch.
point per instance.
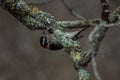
(95, 70)
(73, 24)
(98, 33)
(36, 19)
(114, 17)
(82, 24)
(71, 10)
(105, 10)
(42, 2)
(78, 24)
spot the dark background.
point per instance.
(22, 58)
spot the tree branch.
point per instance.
(71, 10)
(42, 2)
(98, 33)
(36, 19)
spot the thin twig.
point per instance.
(71, 10)
(42, 2)
(95, 69)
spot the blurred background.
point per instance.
(22, 58)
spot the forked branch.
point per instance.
(36, 19)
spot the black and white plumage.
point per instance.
(53, 44)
